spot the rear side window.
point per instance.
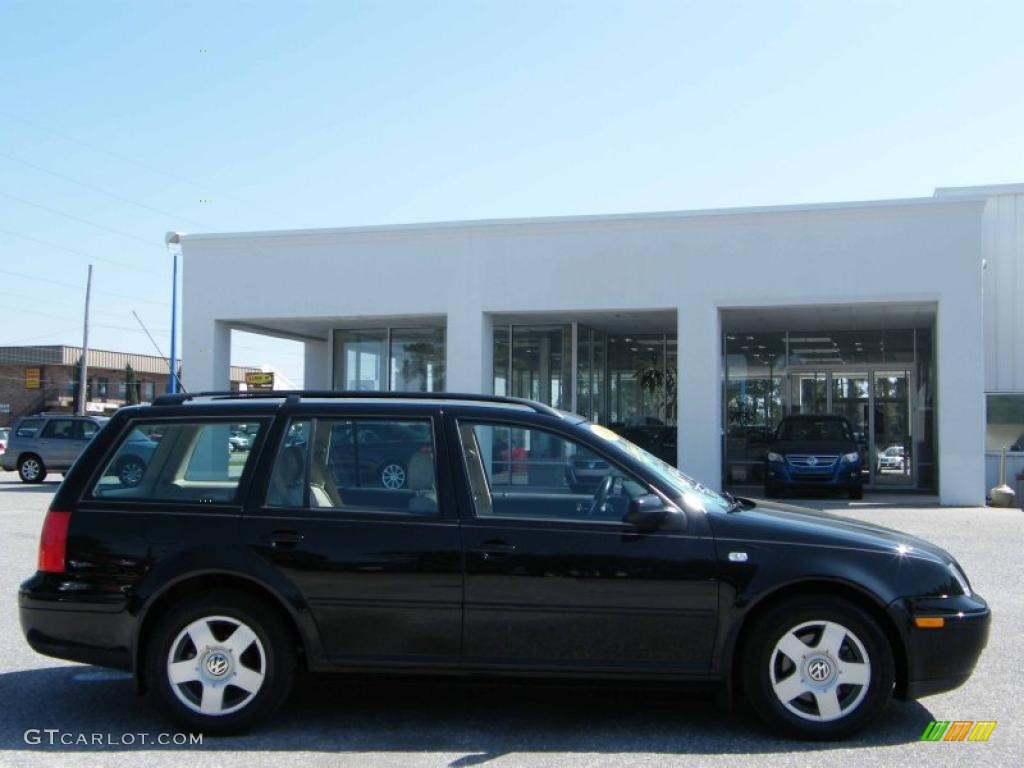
(29, 428)
(182, 461)
(358, 465)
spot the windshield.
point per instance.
(825, 430)
(694, 494)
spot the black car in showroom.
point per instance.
(814, 451)
(219, 576)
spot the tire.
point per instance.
(392, 475)
(31, 469)
(130, 471)
(829, 709)
(178, 638)
(857, 492)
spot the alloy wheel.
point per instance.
(30, 469)
(820, 671)
(131, 473)
(392, 476)
(216, 665)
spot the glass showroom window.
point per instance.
(417, 359)
(1005, 423)
(534, 361)
(390, 359)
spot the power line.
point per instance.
(65, 317)
(131, 161)
(77, 252)
(73, 217)
(101, 190)
(78, 287)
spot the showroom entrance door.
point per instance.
(878, 403)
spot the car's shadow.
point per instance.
(47, 486)
(475, 722)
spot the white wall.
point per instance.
(698, 264)
(1003, 251)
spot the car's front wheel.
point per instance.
(31, 469)
(817, 668)
(220, 662)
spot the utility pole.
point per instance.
(84, 373)
(173, 241)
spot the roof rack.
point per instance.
(297, 395)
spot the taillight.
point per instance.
(53, 541)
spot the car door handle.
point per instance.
(283, 539)
(494, 549)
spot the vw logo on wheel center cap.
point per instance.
(217, 664)
(819, 669)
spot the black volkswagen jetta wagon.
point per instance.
(221, 574)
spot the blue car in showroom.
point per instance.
(814, 452)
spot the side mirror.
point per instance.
(647, 512)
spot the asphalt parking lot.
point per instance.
(429, 723)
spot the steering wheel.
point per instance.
(601, 496)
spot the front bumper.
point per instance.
(842, 475)
(77, 630)
(941, 659)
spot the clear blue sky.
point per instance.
(114, 124)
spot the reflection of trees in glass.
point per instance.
(416, 356)
(754, 402)
(661, 383)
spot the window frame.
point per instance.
(560, 522)
(245, 480)
(445, 508)
(49, 427)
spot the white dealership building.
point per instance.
(693, 332)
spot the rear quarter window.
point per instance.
(175, 461)
(28, 428)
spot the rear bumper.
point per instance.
(942, 659)
(87, 632)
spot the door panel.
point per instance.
(580, 598)
(555, 579)
(380, 569)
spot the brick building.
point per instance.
(34, 379)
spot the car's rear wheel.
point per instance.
(221, 662)
(31, 469)
(817, 668)
(130, 471)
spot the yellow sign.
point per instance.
(32, 378)
(259, 380)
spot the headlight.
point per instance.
(851, 457)
(961, 579)
(772, 456)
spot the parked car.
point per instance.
(287, 565)
(47, 443)
(239, 441)
(891, 458)
(657, 439)
(377, 454)
(813, 451)
(136, 453)
(5, 435)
